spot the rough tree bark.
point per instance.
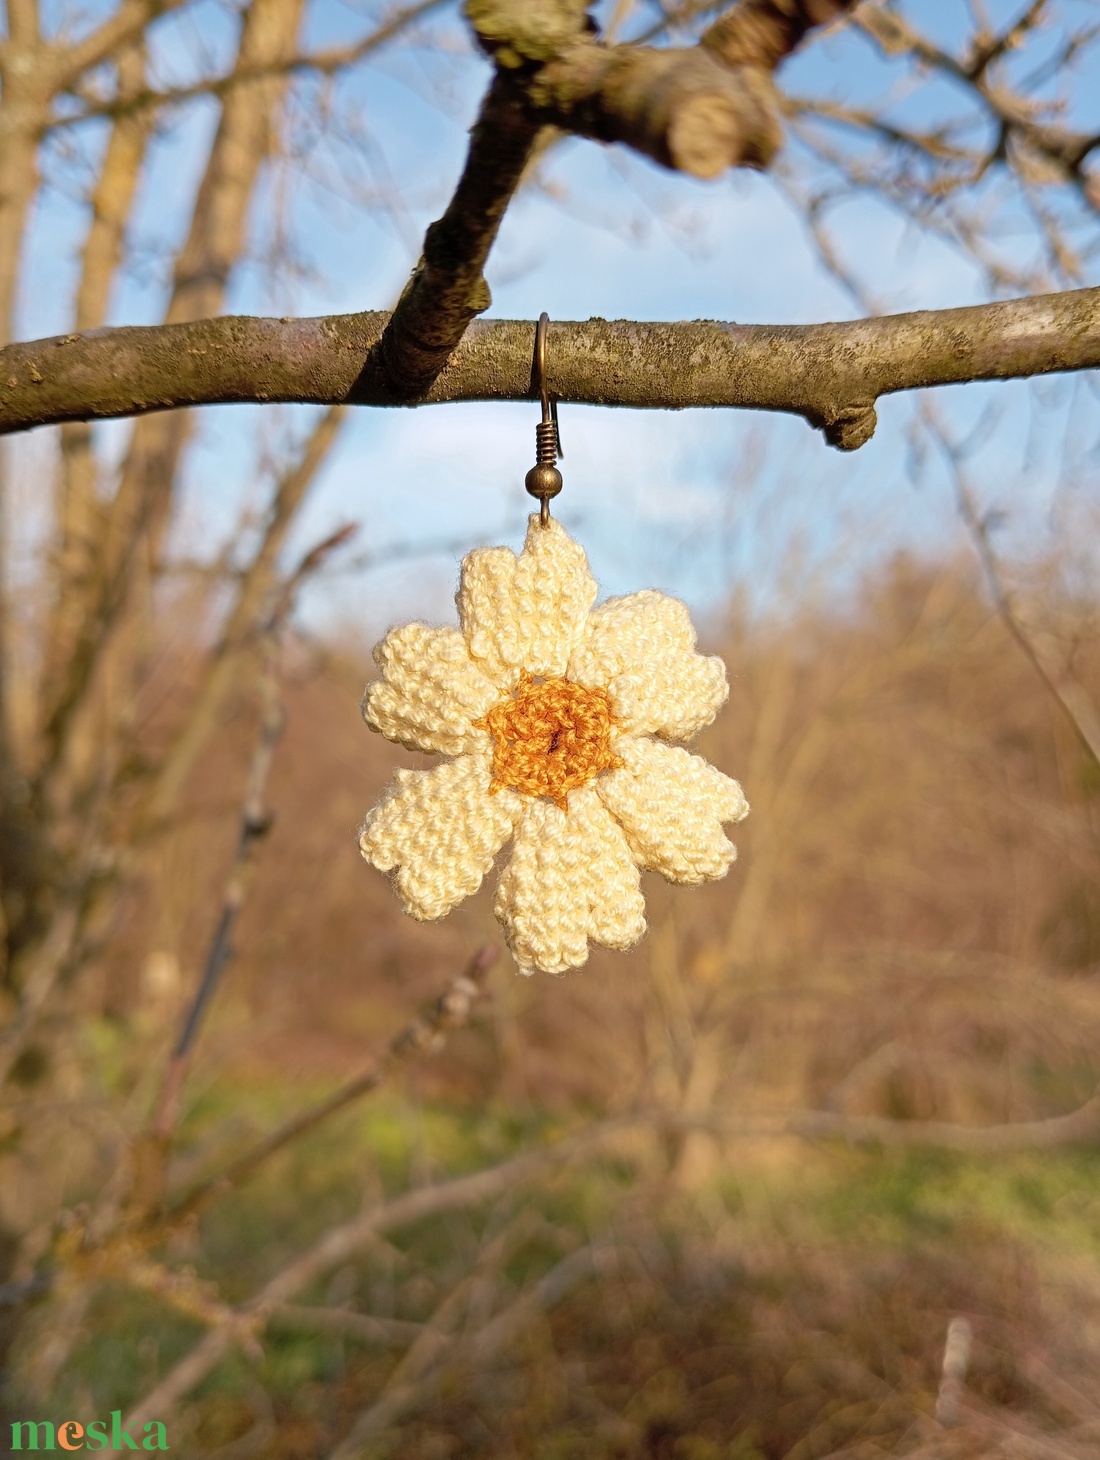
(831, 374)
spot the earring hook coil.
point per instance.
(544, 480)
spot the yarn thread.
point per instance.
(551, 737)
(556, 718)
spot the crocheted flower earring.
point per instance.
(554, 718)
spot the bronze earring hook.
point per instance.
(544, 479)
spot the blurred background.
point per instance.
(589, 1215)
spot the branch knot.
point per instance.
(851, 428)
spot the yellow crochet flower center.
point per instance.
(550, 737)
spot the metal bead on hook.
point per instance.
(544, 479)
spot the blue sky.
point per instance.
(698, 503)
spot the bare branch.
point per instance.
(447, 289)
(241, 624)
(105, 1242)
(1079, 1127)
(418, 1373)
(831, 374)
(137, 516)
(117, 31)
(990, 48)
(956, 1358)
(113, 196)
(22, 105)
(428, 1031)
(410, 1389)
(255, 824)
(23, 24)
(327, 62)
(152, 1149)
(699, 110)
(1071, 697)
(763, 32)
(1061, 146)
(683, 108)
(81, 510)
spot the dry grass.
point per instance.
(913, 931)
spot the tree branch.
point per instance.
(831, 374)
(241, 625)
(81, 509)
(447, 289)
(24, 27)
(764, 32)
(684, 108)
(1064, 148)
(327, 62)
(134, 522)
(120, 28)
(428, 1031)
(456, 1357)
(338, 1244)
(699, 110)
(1068, 694)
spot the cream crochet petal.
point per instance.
(486, 611)
(552, 592)
(527, 612)
(571, 878)
(430, 691)
(641, 648)
(671, 805)
(441, 829)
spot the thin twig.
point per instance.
(1069, 695)
(427, 1032)
(243, 621)
(103, 1241)
(464, 1358)
(421, 1365)
(255, 824)
(956, 1360)
(151, 1151)
(1080, 1126)
(328, 62)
